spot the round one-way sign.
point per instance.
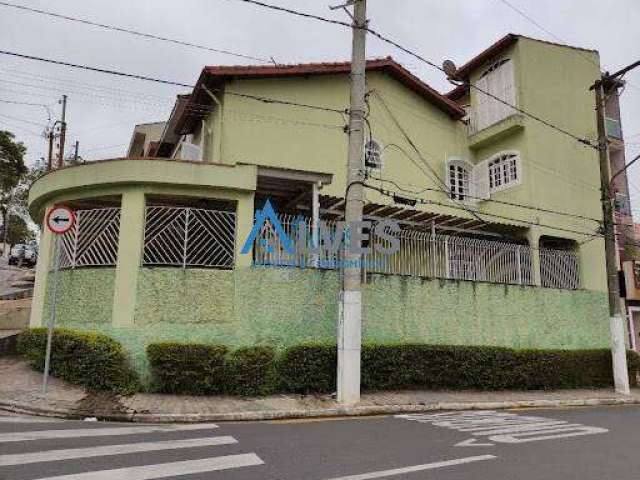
(60, 219)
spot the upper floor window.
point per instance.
(494, 94)
(459, 175)
(373, 155)
(504, 171)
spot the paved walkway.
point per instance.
(20, 388)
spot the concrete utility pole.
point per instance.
(75, 153)
(618, 346)
(51, 136)
(350, 317)
(63, 131)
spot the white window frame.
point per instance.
(504, 170)
(459, 188)
(367, 148)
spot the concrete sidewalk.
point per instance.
(20, 390)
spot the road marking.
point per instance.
(563, 432)
(414, 468)
(473, 442)
(22, 419)
(104, 451)
(164, 470)
(502, 427)
(97, 432)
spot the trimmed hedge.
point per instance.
(308, 368)
(311, 368)
(90, 359)
(251, 371)
(198, 369)
(188, 368)
(413, 366)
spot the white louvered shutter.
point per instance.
(506, 88)
(480, 181)
(481, 113)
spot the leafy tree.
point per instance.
(12, 169)
(19, 231)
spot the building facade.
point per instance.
(498, 214)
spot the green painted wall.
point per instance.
(283, 307)
(85, 296)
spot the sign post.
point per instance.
(60, 220)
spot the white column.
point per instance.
(315, 225)
(533, 237)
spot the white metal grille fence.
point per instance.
(426, 255)
(460, 258)
(559, 269)
(93, 240)
(189, 237)
(269, 250)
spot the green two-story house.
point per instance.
(499, 212)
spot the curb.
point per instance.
(355, 411)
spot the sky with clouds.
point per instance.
(103, 109)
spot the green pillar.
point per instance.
(45, 250)
(244, 224)
(130, 247)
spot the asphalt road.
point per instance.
(586, 444)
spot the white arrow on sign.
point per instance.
(472, 442)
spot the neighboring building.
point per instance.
(144, 141)
(504, 239)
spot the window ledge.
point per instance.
(497, 131)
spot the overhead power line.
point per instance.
(432, 64)
(23, 120)
(133, 32)
(259, 98)
(95, 69)
(391, 194)
(14, 102)
(537, 24)
(490, 200)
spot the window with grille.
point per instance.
(373, 155)
(504, 171)
(459, 175)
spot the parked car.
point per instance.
(27, 253)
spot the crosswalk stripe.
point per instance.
(164, 470)
(98, 432)
(411, 469)
(104, 451)
(23, 419)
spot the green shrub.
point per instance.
(90, 359)
(308, 368)
(311, 368)
(407, 366)
(416, 366)
(250, 371)
(195, 369)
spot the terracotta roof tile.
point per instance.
(218, 74)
